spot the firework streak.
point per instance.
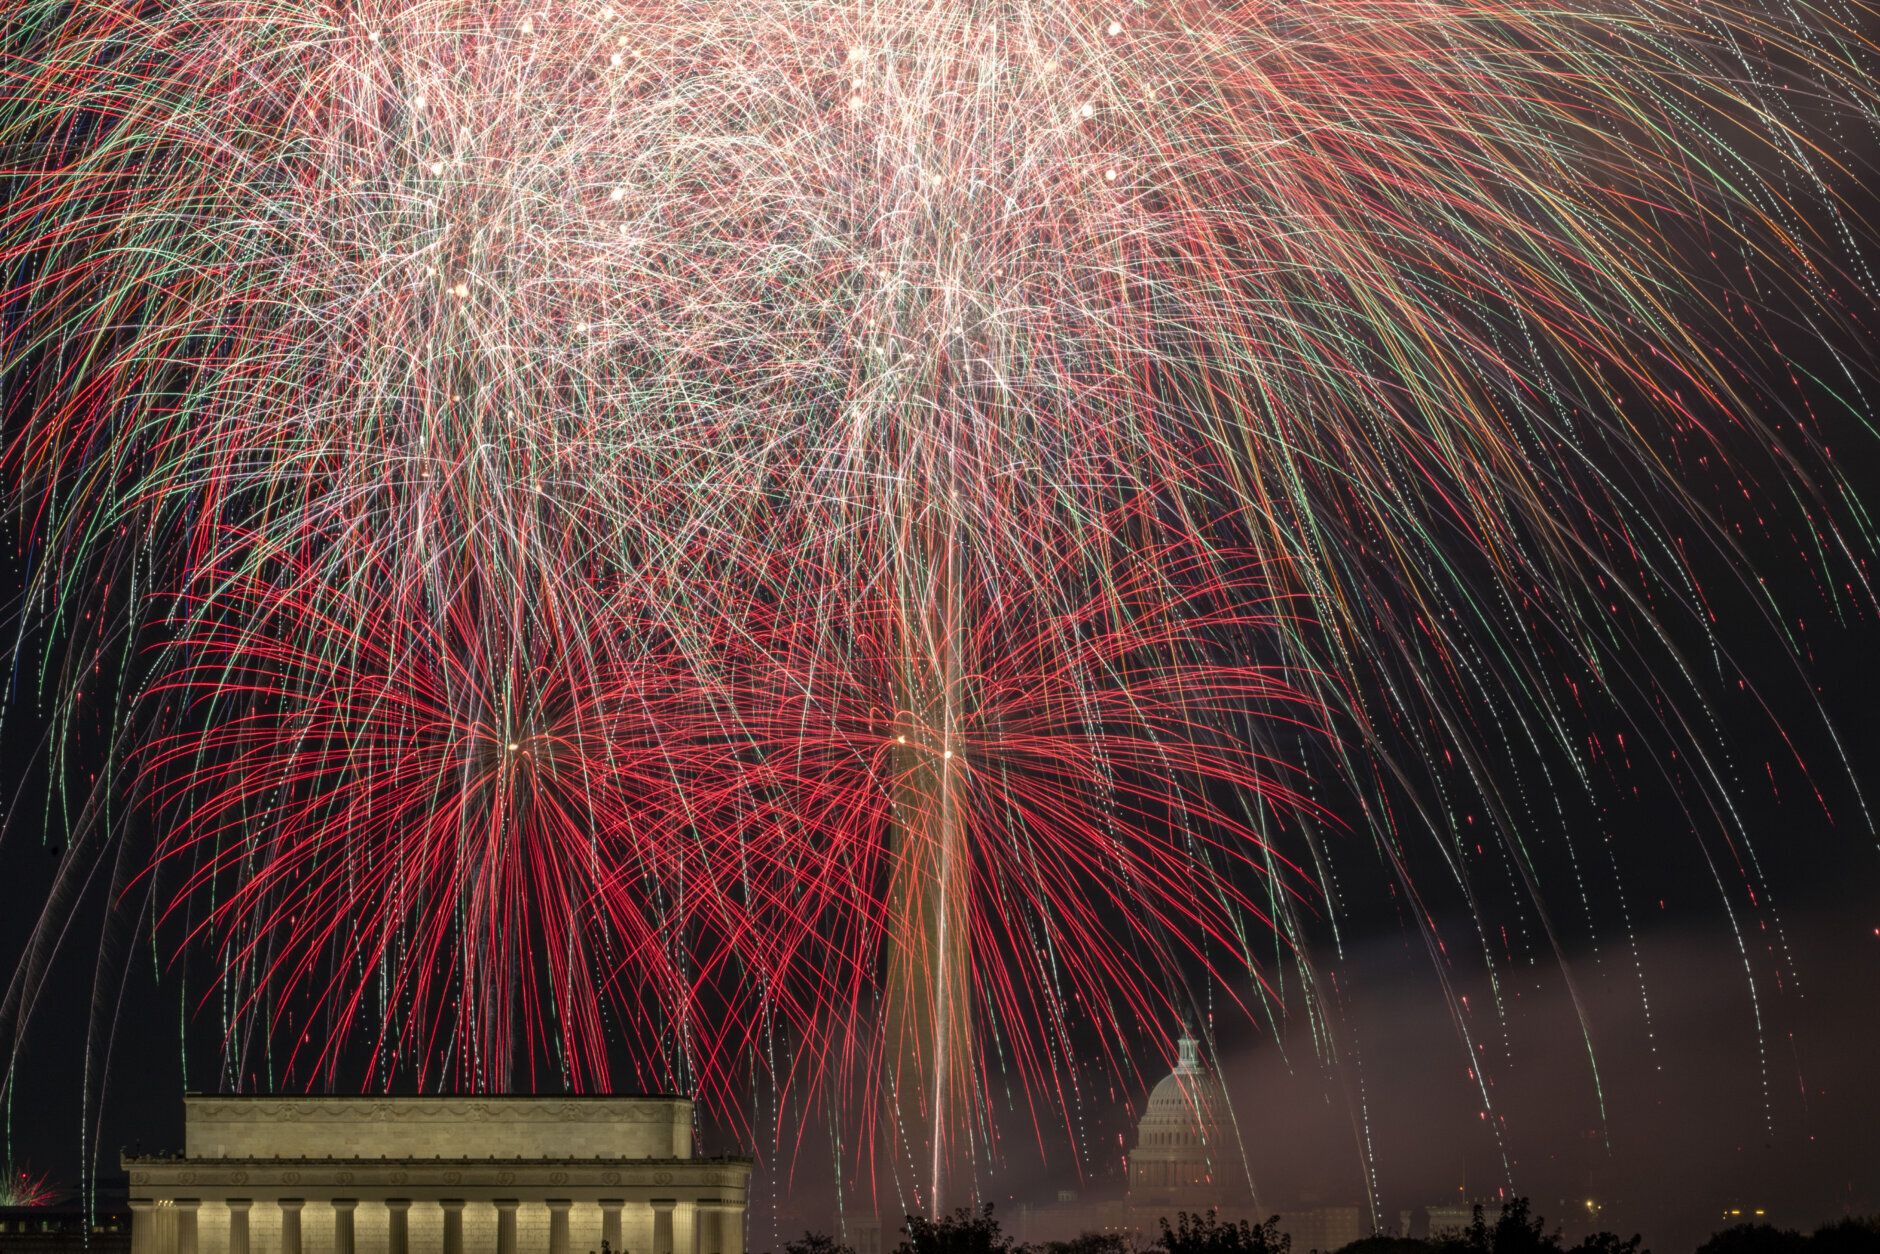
(657, 528)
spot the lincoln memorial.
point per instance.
(437, 1175)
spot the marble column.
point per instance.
(397, 1225)
(558, 1225)
(506, 1225)
(662, 1225)
(731, 1228)
(705, 1225)
(238, 1224)
(186, 1208)
(343, 1208)
(453, 1225)
(290, 1224)
(610, 1224)
(141, 1221)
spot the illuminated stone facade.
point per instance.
(1186, 1156)
(437, 1175)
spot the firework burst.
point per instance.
(22, 1187)
(840, 518)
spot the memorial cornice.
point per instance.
(235, 1108)
(373, 1177)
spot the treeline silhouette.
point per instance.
(1516, 1230)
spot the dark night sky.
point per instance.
(1702, 1109)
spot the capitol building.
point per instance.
(1187, 1157)
(437, 1175)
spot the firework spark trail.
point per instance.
(487, 809)
(729, 405)
(20, 1186)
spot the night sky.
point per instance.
(1730, 1053)
(1702, 1111)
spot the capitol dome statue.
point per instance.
(1187, 1156)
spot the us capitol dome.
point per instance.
(1187, 1156)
